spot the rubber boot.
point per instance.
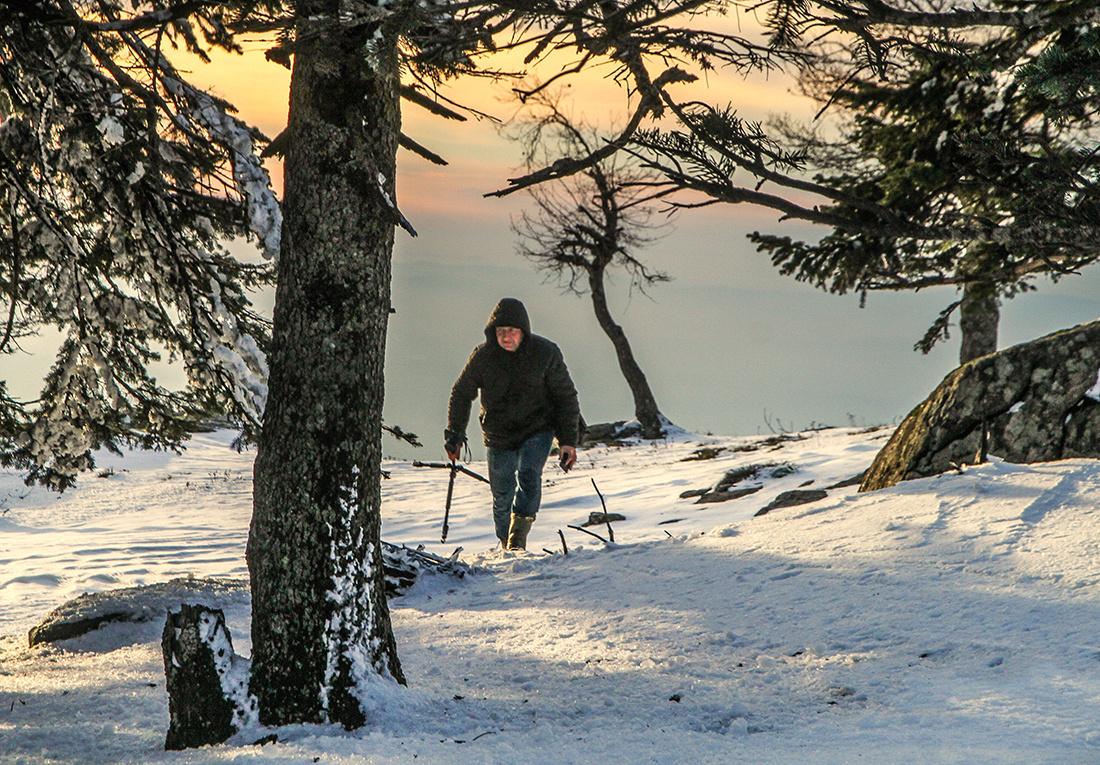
(517, 534)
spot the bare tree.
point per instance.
(584, 225)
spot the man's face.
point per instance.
(509, 338)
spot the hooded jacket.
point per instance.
(523, 392)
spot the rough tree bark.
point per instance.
(198, 654)
(979, 316)
(320, 621)
(645, 405)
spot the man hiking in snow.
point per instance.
(527, 400)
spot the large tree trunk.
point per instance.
(320, 618)
(979, 316)
(645, 405)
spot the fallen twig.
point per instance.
(472, 740)
(590, 533)
(402, 565)
(606, 516)
(564, 546)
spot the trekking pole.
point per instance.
(455, 469)
(450, 492)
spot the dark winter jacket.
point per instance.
(523, 392)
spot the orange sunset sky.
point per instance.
(729, 346)
(479, 158)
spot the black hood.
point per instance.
(508, 313)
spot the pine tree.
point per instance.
(949, 138)
(965, 152)
(117, 170)
(118, 189)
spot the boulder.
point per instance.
(145, 603)
(609, 433)
(793, 499)
(1034, 402)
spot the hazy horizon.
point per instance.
(729, 346)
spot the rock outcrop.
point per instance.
(148, 603)
(1034, 402)
(145, 603)
(793, 498)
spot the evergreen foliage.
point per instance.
(119, 185)
(963, 149)
(953, 142)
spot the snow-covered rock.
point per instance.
(1033, 402)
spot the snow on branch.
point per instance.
(265, 219)
(238, 357)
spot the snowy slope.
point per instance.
(947, 620)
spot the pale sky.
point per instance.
(729, 346)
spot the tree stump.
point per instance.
(204, 679)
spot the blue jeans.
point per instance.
(515, 476)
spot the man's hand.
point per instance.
(568, 457)
(454, 451)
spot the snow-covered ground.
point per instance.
(948, 620)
